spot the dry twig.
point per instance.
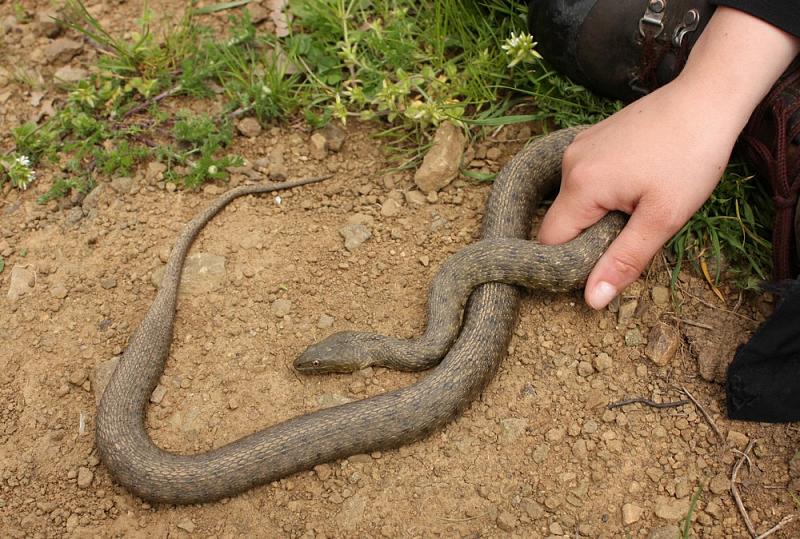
(647, 402)
(706, 415)
(784, 521)
(735, 491)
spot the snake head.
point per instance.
(346, 351)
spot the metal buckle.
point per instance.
(653, 16)
(690, 22)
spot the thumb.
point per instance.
(628, 256)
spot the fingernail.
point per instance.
(601, 295)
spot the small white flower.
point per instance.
(520, 48)
(23, 160)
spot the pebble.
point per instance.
(21, 282)
(633, 337)
(506, 521)
(323, 471)
(440, 165)
(325, 321)
(414, 198)
(533, 509)
(158, 394)
(602, 362)
(281, 307)
(277, 165)
(631, 513)
(58, 291)
(720, 484)
(258, 14)
(62, 50)
(664, 532)
(70, 74)
(662, 344)
(334, 137)
(186, 525)
(512, 429)
(738, 440)
(108, 283)
(85, 477)
(626, 311)
(249, 127)
(354, 235)
(74, 215)
(122, 184)
(77, 377)
(47, 24)
(660, 295)
(425, 260)
(671, 509)
(585, 368)
(360, 458)
(317, 146)
(390, 208)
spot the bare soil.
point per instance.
(539, 454)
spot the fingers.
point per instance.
(568, 217)
(627, 257)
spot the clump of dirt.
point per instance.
(539, 454)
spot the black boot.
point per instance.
(618, 48)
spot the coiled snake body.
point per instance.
(381, 422)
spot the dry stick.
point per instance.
(705, 413)
(735, 491)
(648, 402)
(692, 323)
(146, 104)
(784, 521)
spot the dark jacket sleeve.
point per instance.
(785, 14)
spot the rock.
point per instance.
(660, 295)
(92, 200)
(360, 458)
(506, 521)
(158, 394)
(202, 273)
(100, 376)
(74, 215)
(62, 50)
(414, 198)
(249, 127)
(662, 344)
(512, 429)
(354, 235)
(58, 291)
(441, 163)
(352, 513)
(633, 337)
(317, 146)
(77, 377)
(325, 321)
(334, 137)
(602, 362)
(626, 311)
(710, 363)
(719, 484)
(585, 368)
(281, 307)
(85, 477)
(323, 471)
(493, 153)
(186, 525)
(122, 184)
(390, 208)
(664, 532)
(739, 440)
(533, 509)
(671, 509)
(70, 74)
(47, 24)
(277, 165)
(631, 513)
(108, 283)
(258, 13)
(22, 282)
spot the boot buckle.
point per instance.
(653, 16)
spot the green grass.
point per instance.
(686, 530)
(406, 65)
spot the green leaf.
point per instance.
(213, 8)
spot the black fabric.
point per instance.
(785, 14)
(764, 377)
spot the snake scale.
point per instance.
(377, 423)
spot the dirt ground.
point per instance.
(539, 454)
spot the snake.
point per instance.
(381, 422)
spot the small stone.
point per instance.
(233, 404)
(493, 153)
(664, 532)
(334, 137)
(281, 307)
(506, 521)
(720, 484)
(317, 146)
(671, 509)
(512, 429)
(85, 477)
(414, 198)
(158, 394)
(533, 509)
(602, 362)
(633, 337)
(585, 368)
(77, 377)
(556, 529)
(122, 184)
(631, 513)
(171, 187)
(360, 458)
(390, 208)
(186, 525)
(47, 23)
(325, 321)
(554, 434)
(249, 127)
(22, 282)
(62, 50)
(323, 471)
(354, 235)
(440, 165)
(74, 215)
(626, 311)
(277, 165)
(91, 200)
(425, 260)
(70, 74)
(108, 283)
(662, 344)
(58, 291)
(737, 439)
(258, 13)
(660, 295)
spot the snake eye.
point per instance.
(315, 363)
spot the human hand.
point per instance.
(659, 158)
